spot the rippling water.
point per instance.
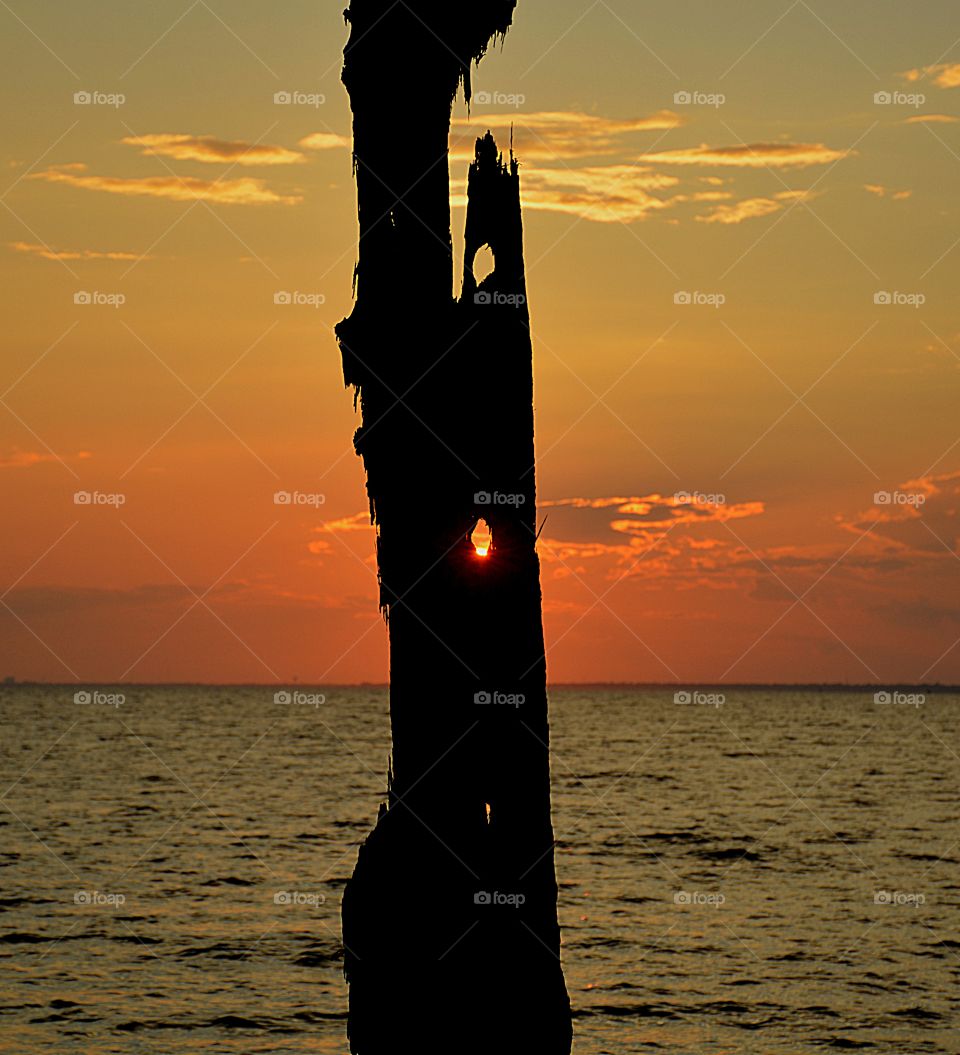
(775, 874)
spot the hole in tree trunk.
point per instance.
(483, 263)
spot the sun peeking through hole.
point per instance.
(482, 538)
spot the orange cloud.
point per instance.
(595, 527)
(244, 191)
(555, 135)
(881, 192)
(919, 517)
(751, 208)
(325, 141)
(604, 194)
(209, 149)
(931, 119)
(754, 155)
(943, 75)
(73, 254)
(342, 525)
(17, 459)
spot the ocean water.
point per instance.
(775, 872)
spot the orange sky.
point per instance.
(742, 251)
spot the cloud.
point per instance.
(60, 599)
(880, 191)
(209, 149)
(554, 135)
(627, 188)
(931, 119)
(943, 75)
(342, 525)
(245, 191)
(73, 254)
(603, 193)
(748, 209)
(754, 155)
(921, 519)
(683, 544)
(18, 459)
(752, 208)
(325, 141)
(623, 527)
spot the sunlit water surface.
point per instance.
(776, 874)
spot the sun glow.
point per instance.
(482, 538)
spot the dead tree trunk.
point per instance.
(450, 919)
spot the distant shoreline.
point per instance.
(662, 686)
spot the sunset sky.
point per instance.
(742, 242)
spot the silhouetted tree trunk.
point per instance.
(450, 919)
